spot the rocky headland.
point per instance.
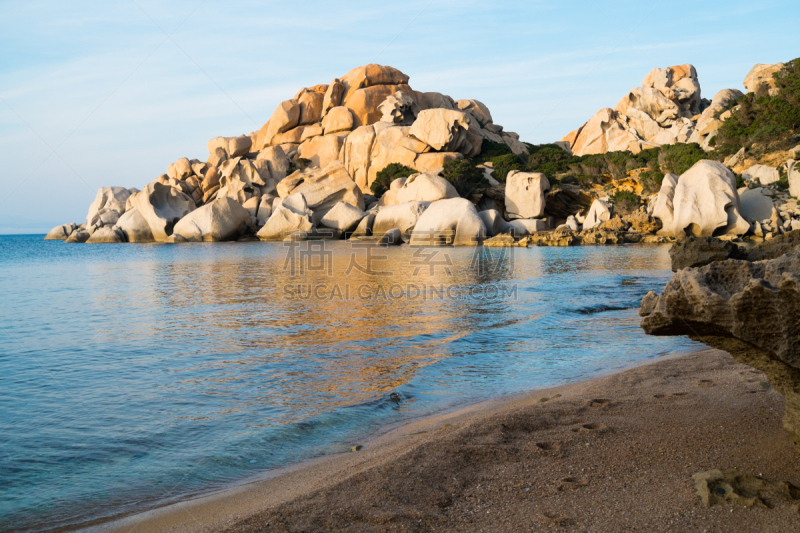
(367, 157)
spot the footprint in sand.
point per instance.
(599, 402)
(591, 427)
(573, 483)
(559, 520)
(705, 383)
(549, 448)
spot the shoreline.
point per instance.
(306, 482)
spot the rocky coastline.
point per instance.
(368, 157)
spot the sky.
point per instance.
(111, 92)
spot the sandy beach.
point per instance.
(611, 454)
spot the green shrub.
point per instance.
(464, 176)
(760, 118)
(651, 180)
(490, 149)
(678, 158)
(385, 177)
(740, 182)
(625, 202)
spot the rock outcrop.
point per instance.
(222, 220)
(526, 194)
(749, 309)
(453, 221)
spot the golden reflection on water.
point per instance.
(306, 340)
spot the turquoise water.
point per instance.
(134, 375)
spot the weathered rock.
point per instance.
(477, 109)
(425, 188)
(222, 220)
(333, 96)
(106, 200)
(756, 205)
(614, 224)
(764, 173)
(402, 216)
(180, 169)
(134, 227)
(342, 216)
(526, 194)
(285, 117)
(80, 235)
(371, 75)
(678, 83)
(105, 234)
(310, 106)
(643, 223)
(322, 151)
(762, 74)
(446, 131)
(61, 233)
(233, 146)
(749, 309)
(364, 228)
(289, 215)
(364, 102)
(694, 252)
(793, 173)
(162, 207)
(494, 223)
(356, 155)
(453, 221)
(706, 202)
(276, 161)
(264, 209)
(338, 119)
(598, 235)
(526, 226)
(323, 188)
(599, 212)
(399, 108)
(663, 208)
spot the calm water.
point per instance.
(132, 375)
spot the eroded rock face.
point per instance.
(447, 131)
(526, 194)
(323, 188)
(107, 201)
(750, 309)
(60, 233)
(162, 207)
(289, 215)
(453, 221)
(134, 227)
(222, 220)
(706, 202)
(425, 188)
(403, 217)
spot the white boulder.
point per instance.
(663, 207)
(402, 216)
(60, 233)
(525, 226)
(526, 194)
(599, 212)
(342, 216)
(162, 207)
(106, 200)
(494, 223)
(453, 221)
(221, 220)
(706, 202)
(289, 215)
(134, 227)
(764, 173)
(756, 204)
(425, 188)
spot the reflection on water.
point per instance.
(132, 375)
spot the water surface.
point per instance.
(134, 375)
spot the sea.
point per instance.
(136, 375)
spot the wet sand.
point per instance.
(611, 454)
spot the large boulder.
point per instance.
(222, 220)
(749, 309)
(447, 131)
(399, 108)
(793, 173)
(322, 150)
(706, 202)
(453, 221)
(134, 227)
(337, 120)
(402, 216)
(599, 212)
(162, 207)
(476, 109)
(356, 155)
(494, 223)
(425, 188)
(61, 233)
(526, 226)
(368, 76)
(333, 96)
(364, 103)
(765, 174)
(603, 133)
(664, 209)
(679, 84)
(276, 161)
(323, 188)
(105, 234)
(756, 204)
(526, 194)
(762, 74)
(289, 215)
(233, 146)
(342, 216)
(285, 117)
(106, 200)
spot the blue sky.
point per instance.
(110, 93)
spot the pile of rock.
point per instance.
(310, 166)
(666, 109)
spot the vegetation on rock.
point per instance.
(464, 176)
(758, 118)
(385, 177)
